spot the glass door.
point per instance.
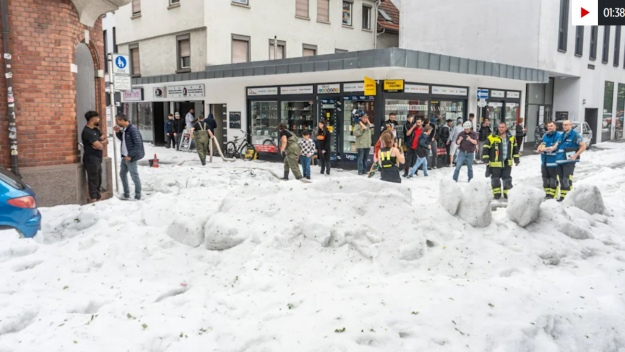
(328, 112)
(495, 113)
(512, 115)
(442, 110)
(350, 104)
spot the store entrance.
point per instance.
(328, 112)
(220, 113)
(160, 116)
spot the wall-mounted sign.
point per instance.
(122, 83)
(235, 120)
(133, 95)
(497, 94)
(562, 115)
(160, 92)
(393, 85)
(449, 91)
(328, 88)
(416, 88)
(513, 95)
(262, 91)
(370, 86)
(354, 87)
(297, 90)
(186, 91)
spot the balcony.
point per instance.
(90, 10)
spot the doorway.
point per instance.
(220, 113)
(160, 115)
(591, 116)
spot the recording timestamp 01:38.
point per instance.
(611, 15)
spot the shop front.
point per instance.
(502, 106)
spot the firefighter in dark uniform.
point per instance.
(500, 151)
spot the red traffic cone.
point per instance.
(155, 164)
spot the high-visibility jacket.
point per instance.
(569, 142)
(493, 151)
(549, 140)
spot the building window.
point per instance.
(347, 13)
(340, 51)
(594, 30)
(135, 61)
(277, 49)
(174, 2)
(184, 52)
(564, 25)
(240, 49)
(301, 8)
(323, 11)
(242, 2)
(136, 8)
(606, 44)
(617, 45)
(106, 52)
(309, 50)
(366, 17)
(579, 41)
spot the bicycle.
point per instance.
(245, 150)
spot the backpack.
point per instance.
(443, 133)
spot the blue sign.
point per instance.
(482, 93)
(121, 62)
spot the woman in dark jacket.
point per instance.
(324, 145)
(520, 132)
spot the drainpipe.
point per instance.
(375, 24)
(9, 84)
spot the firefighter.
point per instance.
(500, 151)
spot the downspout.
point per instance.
(9, 85)
(375, 25)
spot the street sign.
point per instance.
(122, 83)
(121, 64)
(481, 103)
(482, 93)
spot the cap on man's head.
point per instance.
(177, 113)
(467, 125)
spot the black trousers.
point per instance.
(411, 159)
(170, 140)
(324, 161)
(501, 174)
(550, 180)
(565, 173)
(178, 139)
(94, 180)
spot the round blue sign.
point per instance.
(121, 62)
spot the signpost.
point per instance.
(482, 95)
(119, 80)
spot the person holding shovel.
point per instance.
(290, 151)
(202, 135)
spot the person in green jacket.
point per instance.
(362, 131)
(290, 151)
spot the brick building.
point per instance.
(57, 63)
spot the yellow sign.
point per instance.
(394, 85)
(370, 86)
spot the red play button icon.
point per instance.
(584, 12)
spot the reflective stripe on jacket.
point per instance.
(492, 151)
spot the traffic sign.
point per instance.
(482, 93)
(481, 103)
(121, 64)
(122, 83)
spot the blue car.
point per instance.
(18, 205)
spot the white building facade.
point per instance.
(586, 65)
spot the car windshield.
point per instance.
(560, 128)
(11, 179)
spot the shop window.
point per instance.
(309, 50)
(277, 50)
(564, 25)
(606, 45)
(136, 8)
(366, 105)
(366, 17)
(608, 100)
(184, 52)
(323, 11)
(593, 42)
(579, 41)
(135, 60)
(141, 115)
(174, 3)
(264, 123)
(347, 13)
(240, 49)
(403, 108)
(512, 115)
(298, 116)
(442, 110)
(301, 8)
(617, 45)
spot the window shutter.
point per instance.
(239, 51)
(323, 10)
(136, 64)
(309, 52)
(301, 8)
(136, 6)
(185, 48)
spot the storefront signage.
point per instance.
(354, 87)
(393, 85)
(416, 88)
(235, 120)
(133, 95)
(406, 107)
(186, 91)
(297, 90)
(497, 94)
(262, 91)
(160, 92)
(351, 157)
(449, 91)
(513, 95)
(370, 86)
(328, 88)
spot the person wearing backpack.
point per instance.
(444, 138)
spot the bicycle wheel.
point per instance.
(248, 152)
(231, 150)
